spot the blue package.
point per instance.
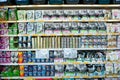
(35, 68)
(29, 60)
(39, 67)
(25, 60)
(34, 60)
(30, 54)
(47, 73)
(42, 60)
(43, 73)
(25, 55)
(25, 74)
(38, 60)
(39, 73)
(30, 73)
(30, 68)
(52, 73)
(43, 67)
(52, 67)
(34, 73)
(47, 67)
(25, 68)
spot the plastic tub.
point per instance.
(55, 1)
(72, 1)
(89, 1)
(104, 1)
(116, 1)
(39, 1)
(22, 2)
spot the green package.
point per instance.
(3, 14)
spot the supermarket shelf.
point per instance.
(89, 34)
(63, 63)
(28, 78)
(64, 5)
(108, 76)
(60, 21)
(55, 63)
(8, 21)
(53, 49)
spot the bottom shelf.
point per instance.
(76, 77)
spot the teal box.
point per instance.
(22, 2)
(56, 1)
(104, 1)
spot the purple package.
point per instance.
(8, 60)
(8, 54)
(0, 54)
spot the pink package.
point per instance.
(8, 54)
(3, 26)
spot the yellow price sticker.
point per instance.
(65, 63)
(66, 76)
(44, 35)
(35, 35)
(40, 20)
(76, 62)
(115, 76)
(96, 77)
(29, 78)
(86, 63)
(85, 77)
(32, 21)
(77, 77)
(25, 35)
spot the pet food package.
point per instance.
(30, 14)
(117, 68)
(22, 28)
(39, 28)
(109, 68)
(21, 14)
(30, 28)
(38, 14)
(3, 14)
(115, 13)
(118, 42)
(75, 29)
(48, 28)
(12, 14)
(57, 28)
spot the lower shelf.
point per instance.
(106, 76)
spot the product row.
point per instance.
(28, 2)
(69, 79)
(65, 55)
(61, 70)
(81, 14)
(59, 28)
(59, 42)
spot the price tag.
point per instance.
(86, 63)
(85, 77)
(25, 35)
(31, 21)
(35, 35)
(76, 62)
(29, 78)
(77, 77)
(44, 35)
(66, 76)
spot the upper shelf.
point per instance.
(64, 6)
